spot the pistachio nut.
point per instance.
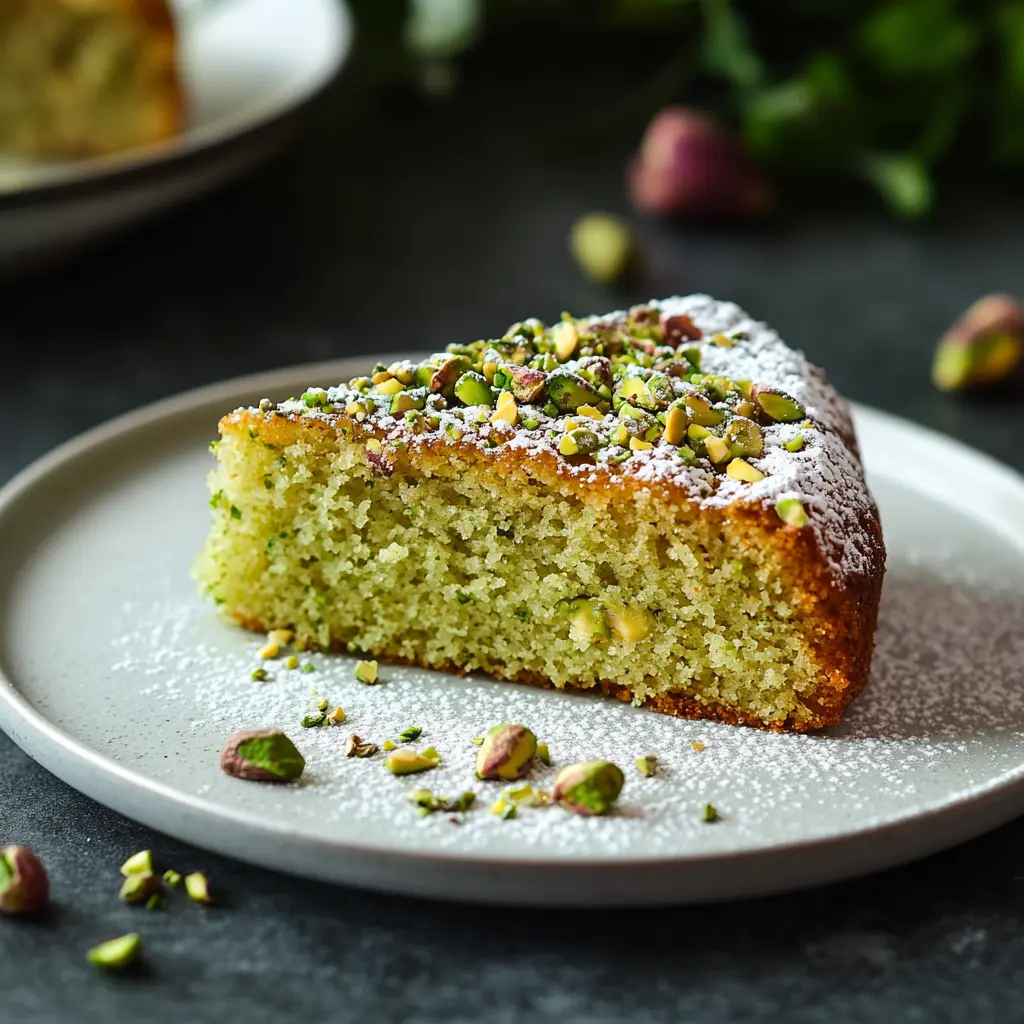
(588, 788)
(506, 752)
(792, 512)
(24, 887)
(198, 888)
(776, 404)
(261, 755)
(983, 347)
(138, 863)
(138, 888)
(406, 761)
(603, 247)
(116, 954)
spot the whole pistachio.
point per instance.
(506, 752)
(262, 755)
(24, 887)
(588, 788)
(690, 164)
(985, 346)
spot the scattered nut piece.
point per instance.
(697, 745)
(116, 954)
(710, 813)
(506, 752)
(588, 788)
(366, 672)
(24, 887)
(262, 755)
(355, 747)
(647, 765)
(543, 754)
(172, 877)
(140, 863)
(139, 887)
(984, 347)
(406, 761)
(198, 888)
(603, 247)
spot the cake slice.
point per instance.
(82, 78)
(664, 504)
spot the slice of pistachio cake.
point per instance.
(664, 504)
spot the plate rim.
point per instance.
(144, 163)
(989, 804)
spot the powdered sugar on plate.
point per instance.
(948, 675)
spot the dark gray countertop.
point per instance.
(430, 225)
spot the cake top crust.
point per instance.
(685, 393)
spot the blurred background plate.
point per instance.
(249, 66)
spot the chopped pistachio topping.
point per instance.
(309, 667)
(792, 512)
(543, 755)
(116, 954)
(600, 389)
(138, 864)
(259, 675)
(389, 745)
(154, 902)
(292, 661)
(337, 716)
(412, 733)
(647, 765)
(173, 877)
(366, 672)
(710, 813)
(198, 888)
(477, 741)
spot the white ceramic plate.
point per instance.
(247, 66)
(121, 681)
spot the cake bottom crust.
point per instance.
(827, 707)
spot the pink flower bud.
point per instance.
(690, 164)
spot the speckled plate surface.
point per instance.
(121, 681)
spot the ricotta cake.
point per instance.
(81, 78)
(664, 504)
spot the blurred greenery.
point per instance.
(885, 91)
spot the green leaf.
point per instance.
(918, 37)
(902, 180)
(727, 49)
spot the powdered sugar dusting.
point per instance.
(947, 695)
